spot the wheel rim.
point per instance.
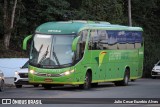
(87, 81)
(126, 79)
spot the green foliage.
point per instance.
(1, 23)
(32, 13)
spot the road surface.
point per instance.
(141, 88)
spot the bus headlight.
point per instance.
(32, 71)
(67, 73)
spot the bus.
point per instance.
(84, 53)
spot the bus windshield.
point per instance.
(52, 51)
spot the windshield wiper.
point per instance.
(54, 54)
(44, 56)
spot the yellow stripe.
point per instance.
(69, 83)
(135, 77)
(94, 81)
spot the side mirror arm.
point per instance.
(74, 43)
(25, 42)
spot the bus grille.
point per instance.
(48, 75)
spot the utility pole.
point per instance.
(129, 13)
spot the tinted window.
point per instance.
(94, 39)
(81, 44)
(26, 65)
(111, 39)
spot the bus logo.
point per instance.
(101, 57)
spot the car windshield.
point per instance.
(52, 51)
(26, 65)
(158, 64)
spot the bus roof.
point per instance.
(73, 27)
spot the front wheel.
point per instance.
(2, 85)
(87, 82)
(125, 80)
(18, 86)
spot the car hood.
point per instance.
(157, 67)
(23, 70)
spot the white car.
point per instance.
(156, 70)
(21, 77)
(1, 81)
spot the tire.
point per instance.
(87, 82)
(94, 84)
(2, 85)
(37, 85)
(133, 80)
(154, 77)
(18, 86)
(125, 80)
(47, 86)
(153, 73)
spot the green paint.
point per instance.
(106, 65)
(25, 42)
(74, 44)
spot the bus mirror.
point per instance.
(74, 43)
(25, 42)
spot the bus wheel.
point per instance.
(87, 82)
(125, 80)
(133, 80)
(47, 86)
(2, 85)
(18, 86)
(94, 84)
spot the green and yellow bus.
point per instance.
(84, 53)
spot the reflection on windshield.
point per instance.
(51, 50)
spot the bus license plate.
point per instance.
(48, 80)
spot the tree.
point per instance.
(8, 20)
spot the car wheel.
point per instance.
(154, 77)
(47, 86)
(37, 85)
(2, 85)
(18, 86)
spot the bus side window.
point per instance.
(138, 40)
(130, 40)
(93, 42)
(81, 44)
(103, 39)
(112, 40)
(121, 40)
